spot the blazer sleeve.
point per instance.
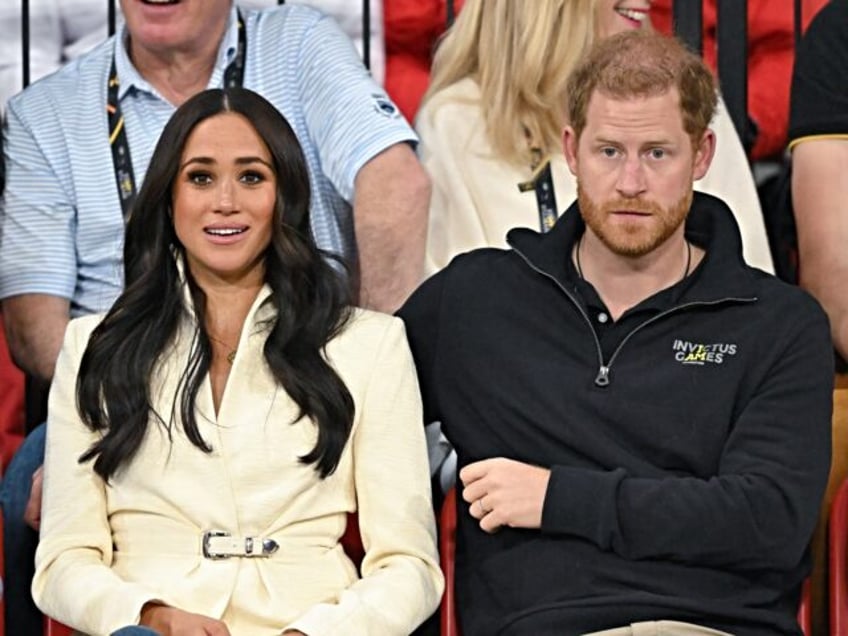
(401, 582)
(73, 581)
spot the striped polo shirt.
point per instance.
(62, 228)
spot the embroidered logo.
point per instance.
(686, 352)
(384, 106)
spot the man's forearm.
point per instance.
(820, 202)
(390, 220)
(833, 299)
(35, 326)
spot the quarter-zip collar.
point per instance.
(722, 275)
(710, 224)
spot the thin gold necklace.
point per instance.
(232, 354)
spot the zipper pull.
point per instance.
(602, 379)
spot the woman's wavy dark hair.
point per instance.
(309, 292)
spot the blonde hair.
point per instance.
(520, 53)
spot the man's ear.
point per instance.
(569, 148)
(704, 153)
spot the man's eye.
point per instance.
(657, 153)
(609, 152)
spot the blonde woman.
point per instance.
(492, 118)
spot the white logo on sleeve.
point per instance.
(384, 106)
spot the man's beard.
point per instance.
(638, 238)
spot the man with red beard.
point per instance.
(642, 421)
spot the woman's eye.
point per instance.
(251, 177)
(200, 178)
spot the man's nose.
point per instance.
(631, 178)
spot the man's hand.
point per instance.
(504, 492)
(170, 621)
(32, 513)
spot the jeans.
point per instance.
(135, 630)
(19, 540)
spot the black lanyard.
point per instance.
(542, 184)
(121, 159)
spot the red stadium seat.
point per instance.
(447, 549)
(805, 612)
(55, 628)
(2, 573)
(838, 565)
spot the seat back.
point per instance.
(55, 628)
(2, 573)
(805, 610)
(352, 540)
(837, 572)
(447, 552)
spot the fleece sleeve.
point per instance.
(757, 511)
(401, 582)
(421, 315)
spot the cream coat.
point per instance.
(476, 199)
(106, 550)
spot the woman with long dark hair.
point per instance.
(208, 437)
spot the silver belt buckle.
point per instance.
(207, 536)
(238, 547)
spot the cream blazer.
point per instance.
(106, 550)
(476, 199)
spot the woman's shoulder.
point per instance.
(367, 338)
(366, 323)
(465, 89)
(458, 100)
(82, 326)
(77, 333)
(366, 330)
